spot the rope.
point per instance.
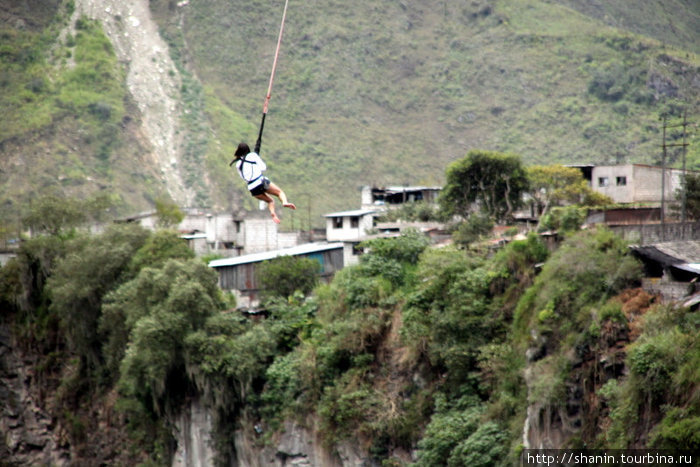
(272, 77)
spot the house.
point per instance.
(393, 196)
(239, 274)
(633, 183)
(349, 226)
(436, 231)
(228, 234)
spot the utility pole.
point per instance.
(684, 144)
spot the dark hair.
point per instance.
(242, 150)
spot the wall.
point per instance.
(259, 234)
(654, 233)
(347, 232)
(643, 183)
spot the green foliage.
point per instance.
(495, 181)
(587, 269)
(447, 433)
(92, 268)
(158, 310)
(556, 185)
(160, 247)
(477, 226)
(691, 184)
(418, 211)
(679, 429)
(281, 277)
(406, 248)
(168, 213)
(566, 220)
(663, 364)
(611, 81)
(485, 447)
(53, 214)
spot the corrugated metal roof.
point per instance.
(267, 255)
(356, 212)
(406, 189)
(672, 252)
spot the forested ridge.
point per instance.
(417, 356)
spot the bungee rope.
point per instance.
(258, 143)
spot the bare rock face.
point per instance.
(28, 433)
(152, 79)
(193, 432)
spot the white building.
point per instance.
(349, 226)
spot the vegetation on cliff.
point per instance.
(445, 352)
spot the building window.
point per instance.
(602, 181)
(354, 222)
(337, 222)
(621, 181)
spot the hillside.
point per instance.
(370, 93)
(391, 93)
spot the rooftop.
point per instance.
(267, 255)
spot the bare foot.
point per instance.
(289, 205)
(275, 219)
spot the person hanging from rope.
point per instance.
(251, 167)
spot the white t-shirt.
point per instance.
(250, 168)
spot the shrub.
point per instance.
(281, 277)
(586, 270)
(448, 428)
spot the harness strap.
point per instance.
(240, 169)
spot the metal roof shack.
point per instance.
(672, 269)
(239, 274)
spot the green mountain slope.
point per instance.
(672, 22)
(390, 93)
(365, 93)
(69, 124)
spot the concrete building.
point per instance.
(393, 196)
(227, 234)
(634, 183)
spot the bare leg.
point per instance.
(270, 206)
(277, 191)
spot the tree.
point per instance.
(554, 185)
(93, 266)
(53, 213)
(494, 181)
(159, 248)
(692, 195)
(147, 321)
(283, 276)
(169, 214)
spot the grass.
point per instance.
(368, 93)
(390, 94)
